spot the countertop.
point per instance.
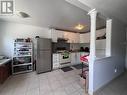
(69, 52)
(4, 61)
(102, 57)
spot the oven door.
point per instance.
(65, 58)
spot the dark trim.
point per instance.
(78, 32)
(67, 30)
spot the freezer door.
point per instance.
(43, 61)
(43, 44)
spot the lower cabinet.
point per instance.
(5, 72)
(75, 58)
(56, 63)
(78, 58)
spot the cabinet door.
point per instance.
(85, 38)
(73, 58)
(67, 35)
(72, 37)
(56, 62)
(78, 58)
(4, 73)
(60, 34)
(54, 35)
(76, 38)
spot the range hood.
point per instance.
(62, 40)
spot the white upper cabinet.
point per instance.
(67, 35)
(72, 37)
(85, 38)
(60, 34)
(77, 38)
(55, 34)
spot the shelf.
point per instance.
(22, 51)
(22, 64)
(22, 72)
(100, 39)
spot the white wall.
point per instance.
(104, 69)
(11, 31)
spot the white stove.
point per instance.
(65, 59)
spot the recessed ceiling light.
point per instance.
(79, 27)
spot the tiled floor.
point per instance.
(56, 82)
(116, 87)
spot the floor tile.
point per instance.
(60, 91)
(33, 92)
(46, 91)
(75, 93)
(55, 85)
(56, 82)
(70, 89)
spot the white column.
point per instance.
(93, 14)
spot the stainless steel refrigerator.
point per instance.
(43, 55)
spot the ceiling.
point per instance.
(115, 8)
(57, 14)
